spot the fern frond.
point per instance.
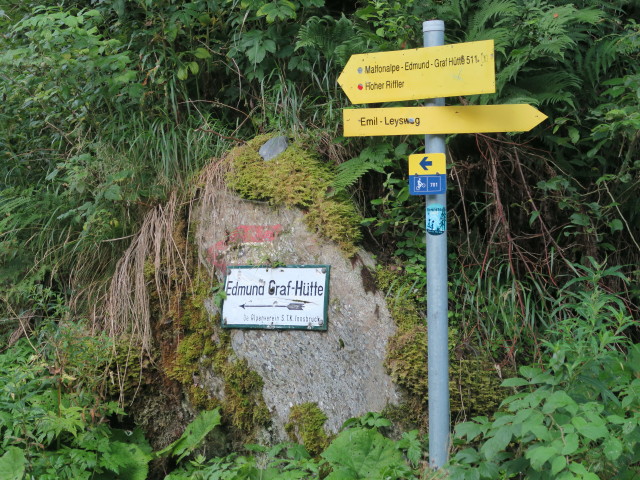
(590, 16)
(501, 37)
(350, 172)
(553, 47)
(325, 34)
(452, 10)
(509, 72)
(512, 94)
(352, 46)
(499, 9)
(375, 157)
(599, 57)
(551, 88)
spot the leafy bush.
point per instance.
(359, 451)
(53, 427)
(579, 417)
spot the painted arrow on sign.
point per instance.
(427, 164)
(443, 71)
(364, 122)
(427, 173)
(290, 306)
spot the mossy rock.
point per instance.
(474, 384)
(199, 343)
(297, 179)
(243, 407)
(306, 426)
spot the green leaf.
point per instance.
(514, 382)
(312, 3)
(125, 77)
(278, 9)
(193, 435)
(469, 429)
(194, 67)
(361, 453)
(615, 225)
(534, 215)
(565, 475)
(616, 419)
(12, 464)
(540, 431)
(592, 432)
(580, 219)
(557, 464)
(128, 460)
(571, 444)
(556, 400)
(114, 192)
(612, 448)
(201, 53)
(539, 456)
(497, 443)
(574, 135)
(579, 469)
(468, 455)
(529, 372)
(52, 174)
(411, 445)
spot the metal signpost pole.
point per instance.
(441, 70)
(437, 297)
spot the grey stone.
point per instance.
(272, 148)
(342, 369)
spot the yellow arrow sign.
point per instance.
(444, 71)
(427, 164)
(365, 122)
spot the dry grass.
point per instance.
(153, 250)
(156, 258)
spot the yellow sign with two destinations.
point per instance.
(365, 122)
(430, 72)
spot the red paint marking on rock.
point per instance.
(242, 234)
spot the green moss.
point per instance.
(201, 399)
(243, 397)
(205, 345)
(296, 178)
(125, 369)
(474, 384)
(306, 426)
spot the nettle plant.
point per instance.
(576, 417)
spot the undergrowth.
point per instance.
(574, 415)
(474, 380)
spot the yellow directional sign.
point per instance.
(427, 164)
(365, 122)
(443, 71)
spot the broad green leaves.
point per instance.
(278, 10)
(360, 453)
(193, 435)
(576, 418)
(255, 44)
(12, 464)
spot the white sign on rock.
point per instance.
(291, 297)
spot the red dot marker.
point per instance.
(360, 87)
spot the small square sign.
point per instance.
(427, 184)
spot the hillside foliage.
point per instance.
(111, 110)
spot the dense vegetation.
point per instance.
(111, 109)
